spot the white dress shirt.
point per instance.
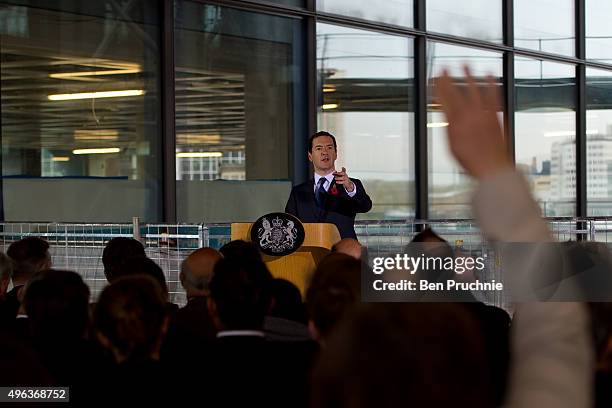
(329, 178)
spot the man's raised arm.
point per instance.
(552, 356)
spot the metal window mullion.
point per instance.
(168, 113)
(508, 22)
(420, 123)
(581, 142)
(420, 114)
(580, 27)
(312, 83)
(420, 16)
(581, 137)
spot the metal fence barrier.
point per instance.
(79, 247)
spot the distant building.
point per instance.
(563, 169)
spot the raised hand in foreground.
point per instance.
(474, 133)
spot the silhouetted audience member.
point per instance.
(403, 355)
(57, 306)
(239, 296)
(266, 373)
(241, 250)
(433, 245)
(197, 271)
(286, 301)
(494, 322)
(116, 252)
(6, 272)
(495, 325)
(601, 324)
(287, 318)
(348, 246)
(334, 291)
(21, 366)
(191, 327)
(56, 303)
(131, 320)
(30, 255)
(141, 265)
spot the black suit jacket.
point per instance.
(253, 371)
(338, 209)
(190, 329)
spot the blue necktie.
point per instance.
(320, 191)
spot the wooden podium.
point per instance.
(299, 266)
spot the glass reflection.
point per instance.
(598, 30)
(450, 187)
(238, 83)
(481, 19)
(599, 142)
(80, 111)
(365, 100)
(545, 128)
(396, 12)
(545, 25)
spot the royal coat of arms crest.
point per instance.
(277, 234)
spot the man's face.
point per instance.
(323, 155)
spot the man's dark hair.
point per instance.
(241, 250)
(241, 294)
(116, 252)
(141, 265)
(321, 133)
(131, 313)
(334, 291)
(286, 301)
(433, 245)
(57, 305)
(30, 255)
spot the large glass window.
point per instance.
(397, 12)
(450, 187)
(365, 100)
(599, 141)
(598, 30)
(545, 25)
(481, 19)
(80, 111)
(545, 129)
(240, 103)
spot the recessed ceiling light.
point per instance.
(95, 95)
(104, 150)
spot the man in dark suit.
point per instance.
(191, 326)
(332, 196)
(242, 366)
(30, 255)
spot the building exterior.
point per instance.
(599, 170)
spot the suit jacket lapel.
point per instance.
(311, 203)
